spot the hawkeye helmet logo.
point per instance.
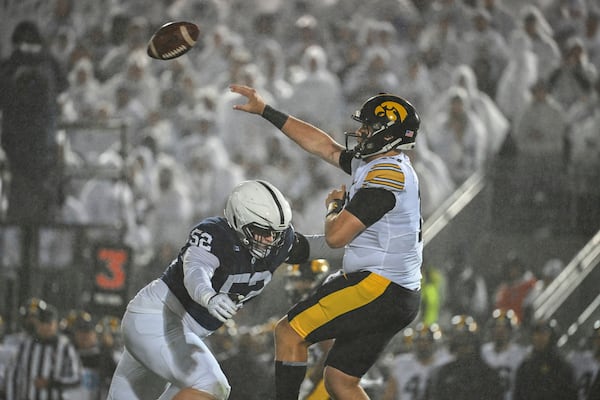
(391, 110)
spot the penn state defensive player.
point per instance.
(225, 262)
(378, 223)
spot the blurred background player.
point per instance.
(503, 352)
(585, 360)
(467, 376)
(98, 364)
(28, 315)
(301, 279)
(544, 373)
(594, 390)
(409, 372)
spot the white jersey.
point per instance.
(411, 375)
(505, 363)
(586, 367)
(392, 246)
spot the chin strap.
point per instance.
(384, 149)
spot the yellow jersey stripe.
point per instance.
(392, 177)
(386, 165)
(380, 182)
(338, 303)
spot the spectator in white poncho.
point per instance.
(211, 176)
(540, 135)
(435, 182)
(79, 101)
(110, 202)
(244, 136)
(512, 92)
(495, 124)
(172, 212)
(416, 84)
(271, 61)
(373, 74)
(536, 27)
(457, 135)
(484, 49)
(215, 57)
(316, 81)
(540, 128)
(574, 78)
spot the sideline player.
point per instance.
(503, 352)
(225, 262)
(379, 223)
(410, 371)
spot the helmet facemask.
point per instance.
(260, 240)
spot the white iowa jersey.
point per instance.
(392, 246)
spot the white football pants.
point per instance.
(163, 352)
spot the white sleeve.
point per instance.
(199, 267)
(320, 249)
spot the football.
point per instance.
(172, 40)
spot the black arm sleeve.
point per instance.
(345, 161)
(370, 204)
(300, 250)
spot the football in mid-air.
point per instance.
(173, 39)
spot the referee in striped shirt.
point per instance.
(46, 362)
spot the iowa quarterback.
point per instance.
(378, 222)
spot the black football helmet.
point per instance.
(302, 278)
(464, 332)
(506, 318)
(393, 123)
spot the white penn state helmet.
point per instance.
(260, 214)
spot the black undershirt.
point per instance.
(370, 204)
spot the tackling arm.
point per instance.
(312, 247)
(198, 269)
(320, 249)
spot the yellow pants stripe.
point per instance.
(338, 303)
(319, 392)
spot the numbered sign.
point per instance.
(111, 277)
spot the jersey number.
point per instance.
(248, 285)
(199, 238)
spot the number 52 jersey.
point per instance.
(214, 255)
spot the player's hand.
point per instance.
(336, 194)
(222, 307)
(255, 103)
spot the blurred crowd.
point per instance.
(489, 78)
(486, 76)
